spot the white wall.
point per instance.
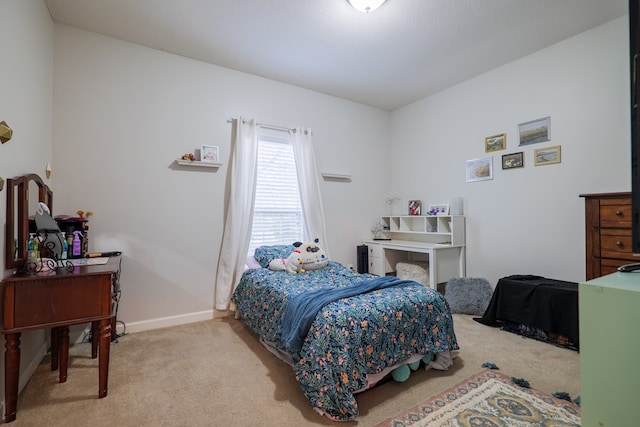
(26, 76)
(123, 113)
(529, 220)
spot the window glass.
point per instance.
(277, 214)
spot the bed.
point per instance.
(352, 342)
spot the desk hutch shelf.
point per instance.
(434, 229)
(438, 240)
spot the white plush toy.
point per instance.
(293, 263)
(306, 256)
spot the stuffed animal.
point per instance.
(293, 263)
(313, 256)
(306, 256)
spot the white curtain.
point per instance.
(309, 182)
(239, 219)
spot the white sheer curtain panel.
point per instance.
(309, 182)
(237, 227)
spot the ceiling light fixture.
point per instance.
(366, 6)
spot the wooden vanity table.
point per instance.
(57, 301)
(52, 299)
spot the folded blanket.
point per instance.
(303, 308)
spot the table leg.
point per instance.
(64, 353)
(95, 331)
(103, 362)
(433, 270)
(55, 348)
(114, 334)
(11, 372)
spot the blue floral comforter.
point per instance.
(350, 338)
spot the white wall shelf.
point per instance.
(197, 163)
(331, 176)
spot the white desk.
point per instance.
(445, 261)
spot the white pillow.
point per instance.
(250, 263)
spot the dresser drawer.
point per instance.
(616, 243)
(375, 251)
(608, 266)
(615, 213)
(376, 261)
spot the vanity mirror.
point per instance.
(23, 194)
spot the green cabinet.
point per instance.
(610, 350)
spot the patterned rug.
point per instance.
(489, 399)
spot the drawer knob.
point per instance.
(619, 244)
(619, 212)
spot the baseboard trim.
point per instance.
(165, 322)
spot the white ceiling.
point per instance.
(404, 51)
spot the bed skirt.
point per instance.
(441, 362)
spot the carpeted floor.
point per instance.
(489, 398)
(216, 373)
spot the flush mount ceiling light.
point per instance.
(366, 5)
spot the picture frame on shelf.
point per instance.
(535, 131)
(441, 209)
(513, 160)
(480, 169)
(495, 143)
(415, 207)
(547, 156)
(209, 154)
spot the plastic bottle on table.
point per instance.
(77, 244)
(65, 246)
(30, 252)
(36, 246)
(70, 244)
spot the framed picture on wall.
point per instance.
(480, 169)
(209, 154)
(513, 160)
(546, 156)
(535, 131)
(495, 142)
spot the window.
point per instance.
(277, 213)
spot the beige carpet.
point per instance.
(215, 373)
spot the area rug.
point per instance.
(489, 399)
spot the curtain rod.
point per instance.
(267, 126)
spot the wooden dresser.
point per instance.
(608, 233)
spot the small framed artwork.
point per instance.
(480, 169)
(495, 142)
(438, 209)
(209, 154)
(415, 207)
(535, 131)
(546, 156)
(513, 160)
